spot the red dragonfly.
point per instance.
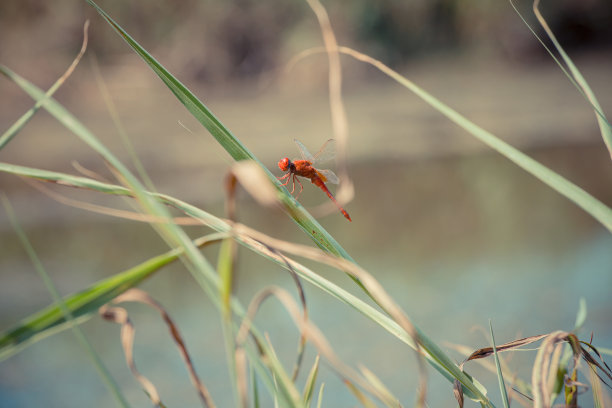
(305, 168)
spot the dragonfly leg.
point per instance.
(301, 188)
(293, 184)
(286, 176)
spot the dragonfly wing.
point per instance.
(326, 152)
(304, 151)
(328, 176)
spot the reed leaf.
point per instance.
(229, 142)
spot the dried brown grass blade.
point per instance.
(87, 172)
(458, 393)
(230, 190)
(7, 136)
(99, 209)
(594, 364)
(241, 376)
(119, 315)
(346, 190)
(515, 344)
(302, 295)
(488, 351)
(313, 334)
(361, 397)
(373, 287)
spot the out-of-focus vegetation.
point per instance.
(248, 38)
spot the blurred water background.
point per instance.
(456, 233)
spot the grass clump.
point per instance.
(251, 355)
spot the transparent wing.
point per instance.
(304, 151)
(329, 176)
(326, 152)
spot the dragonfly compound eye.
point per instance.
(283, 164)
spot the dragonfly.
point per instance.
(305, 168)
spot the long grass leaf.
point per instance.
(581, 315)
(84, 304)
(573, 74)
(602, 121)
(65, 311)
(500, 377)
(228, 141)
(225, 270)
(320, 397)
(114, 114)
(25, 118)
(311, 381)
(194, 261)
(587, 202)
(201, 269)
(436, 357)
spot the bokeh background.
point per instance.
(456, 233)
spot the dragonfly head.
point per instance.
(284, 164)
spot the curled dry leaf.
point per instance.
(313, 334)
(546, 365)
(120, 316)
(488, 351)
(302, 295)
(458, 392)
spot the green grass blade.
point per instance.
(84, 305)
(198, 266)
(225, 270)
(81, 305)
(581, 315)
(574, 77)
(256, 403)
(320, 398)
(436, 357)
(63, 308)
(25, 118)
(204, 273)
(229, 142)
(186, 97)
(604, 125)
(285, 387)
(115, 117)
(311, 381)
(174, 235)
(500, 377)
(587, 202)
(8, 135)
